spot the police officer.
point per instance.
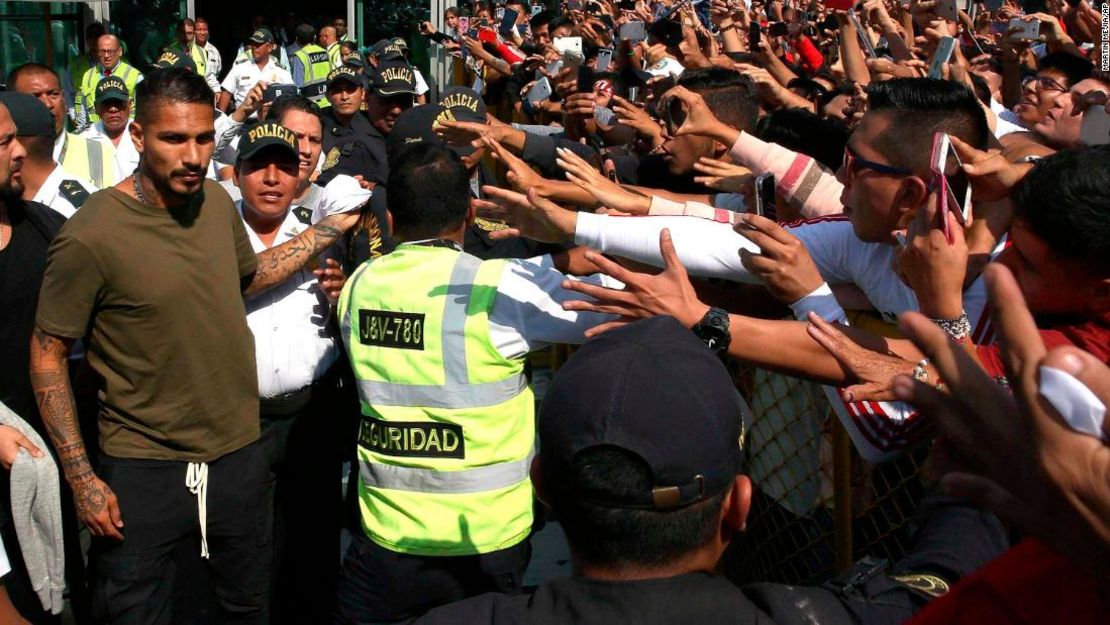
(109, 51)
(310, 66)
(113, 107)
(298, 361)
(44, 181)
(437, 340)
(79, 64)
(247, 72)
(83, 158)
(186, 45)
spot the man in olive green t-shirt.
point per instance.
(153, 272)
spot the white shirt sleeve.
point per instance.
(231, 81)
(528, 312)
(708, 249)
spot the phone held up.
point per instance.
(765, 196)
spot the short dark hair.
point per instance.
(172, 84)
(287, 103)
(802, 130)
(39, 149)
(1074, 68)
(730, 95)
(619, 536)
(559, 21)
(923, 107)
(541, 18)
(305, 34)
(199, 19)
(1064, 201)
(456, 11)
(30, 69)
(421, 210)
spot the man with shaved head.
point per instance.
(109, 53)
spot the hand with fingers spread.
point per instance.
(11, 442)
(874, 371)
(520, 174)
(723, 175)
(1027, 464)
(528, 216)
(607, 192)
(783, 263)
(462, 133)
(667, 293)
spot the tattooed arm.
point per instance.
(96, 503)
(277, 264)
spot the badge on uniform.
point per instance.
(489, 225)
(303, 215)
(73, 192)
(331, 160)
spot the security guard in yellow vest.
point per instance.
(310, 66)
(186, 45)
(109, 51)
(437, 340)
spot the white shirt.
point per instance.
(289, 321)
(127, 157)
(666, 66)
(50, 193)
(421, 84)
(1007, 120)
(215, 66)
(244, 76)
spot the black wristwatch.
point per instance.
(713, 329)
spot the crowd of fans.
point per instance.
(229, 277)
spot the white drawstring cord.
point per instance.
(197, 481)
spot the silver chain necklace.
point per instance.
(137, 181)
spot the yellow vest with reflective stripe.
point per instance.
(448, 423)
(317, 65)
(197, 53)
(87, 97)
(78, 65)
(335, 55)
(90, 160)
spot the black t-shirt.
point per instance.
(22, 264)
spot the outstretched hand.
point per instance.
(529, 216)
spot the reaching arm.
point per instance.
(96, 503)
(277, 264)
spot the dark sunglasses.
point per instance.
(852, 163)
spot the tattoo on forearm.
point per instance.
(277, 264)
(50, 381)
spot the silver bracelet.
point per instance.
(958, 327)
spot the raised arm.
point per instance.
(96, 503)
(277, 264)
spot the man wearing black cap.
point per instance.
(246, 73)
(113, 105)
(392, 92)
(645, 475)
(160, 296)
(43, 180)
(438, 341)
(26, 229)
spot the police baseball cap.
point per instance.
(415, 126)
(654, 390)
(267, 135)
(31, 117)
(262, 35)
(170, 59)
(111, 88)
(344, 72)
(387, 50)
(354, 62)
(464, 104)
(394, 78)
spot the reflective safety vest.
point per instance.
(335, 55)
(91, 160)
(197, 53)
(87, 98)
(316, 64)
(78, 65)
(448, 423)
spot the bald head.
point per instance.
(108, 51)
(328, 36)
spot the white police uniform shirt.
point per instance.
(127, 157)
(244, 75)
(63, 192)
(214, 67)
(291, 346)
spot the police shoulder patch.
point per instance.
(930, 585)
(331, 160)
(490, 225)
(73, 192)
(303, 215)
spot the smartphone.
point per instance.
(565, 44)
(942, 56)
(464, 25)
(861, 34)
(604, 58)
(508, 21)
(946, 9)
(478, 85)
(753, 37)
(537, 8)
(1025, 30)
(274, 92)
(633, 31)
(778, 29)
(586, 79)
(674, 116)
(1096, 127)
(955, 188)
(633, 93)
(498, 13)
(604, 116)
(554, 67)
(765, 196)
(574, 5)
(539, 91)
